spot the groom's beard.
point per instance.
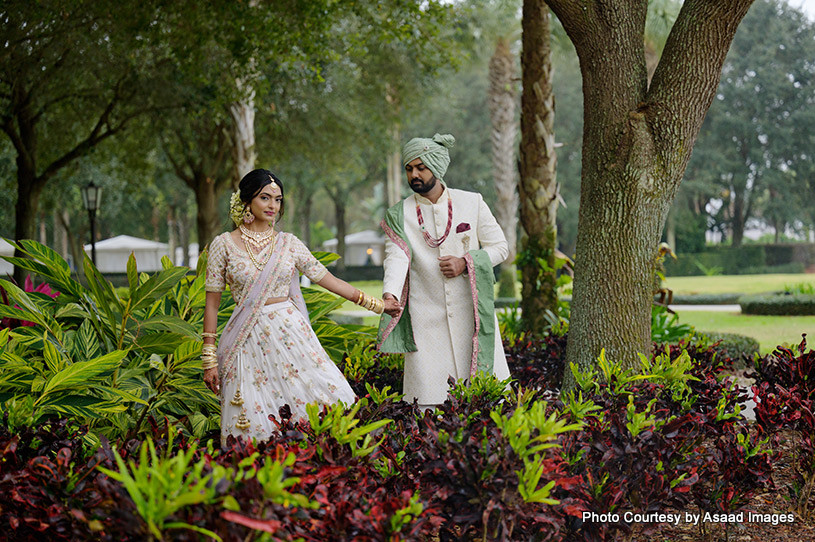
(421, 187)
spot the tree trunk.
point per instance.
(243, 117)
(206, 199)
(183, 237)
(637, 141)
(29, 189)
(339, 216)
(305, 216)
(171, 234)
(537, 186)
(393, 179)
(737, 222)
(502, 115)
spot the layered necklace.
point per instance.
(431, 241)
(255, 242)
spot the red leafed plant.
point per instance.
(28, 287)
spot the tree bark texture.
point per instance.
(538, 184)
(637, 141)
(394, 175)
(501, 97)
(243, 121)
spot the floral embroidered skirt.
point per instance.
(281, 363)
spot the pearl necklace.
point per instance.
(433, 242)
(259, 241)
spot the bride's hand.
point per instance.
(211, 380)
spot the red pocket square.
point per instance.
(462, 227)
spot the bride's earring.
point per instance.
(248, 217)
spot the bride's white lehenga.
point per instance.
(276, 360)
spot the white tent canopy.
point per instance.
(361, 248)
(112, 254)
(6, 249)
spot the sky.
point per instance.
(807, 6)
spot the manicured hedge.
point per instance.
(706, 299)
(733, 346)
(779, 304)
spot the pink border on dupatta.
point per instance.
(468, 258)
(405, 289)
(247, 313)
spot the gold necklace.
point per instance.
(258, 240)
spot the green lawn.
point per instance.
(735, 284)
(769, 331)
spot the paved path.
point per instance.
(708, 308)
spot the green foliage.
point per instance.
(712, 271)
(110, 357)
(506, 282)
(344, 426)
(804, 288)
(731, 345)
(160, 486)
(481, 385)
(665, 326)
(530, 432)
(787, 305)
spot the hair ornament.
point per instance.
(236, 208)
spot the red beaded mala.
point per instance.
(431, 242)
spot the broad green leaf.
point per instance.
(84, 371)
(122, 394)
(201, 264)
(189, 349)
(80, 406)
(159, 343)
(326, 258)
(85, 344)
(53, 359)
(71, 310)
(167, 263)
(156, 287)
(7, 311)
(166, 322)
(132, 274)
(54, 268)
(106, 299)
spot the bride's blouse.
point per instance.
(229, 264)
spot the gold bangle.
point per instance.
(209, 334)
(207, 365)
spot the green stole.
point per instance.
(396, 334)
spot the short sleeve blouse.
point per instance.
(229, 264)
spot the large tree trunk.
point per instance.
(29, 189)
(504, 128)
(393, 179)
(243, 121)
(206, 199)
(637, 142)
(339, 216)
(737, 220)
(537, 186)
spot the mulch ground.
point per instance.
(777, 500)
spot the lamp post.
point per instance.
(90, 198)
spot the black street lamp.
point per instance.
(90, 197)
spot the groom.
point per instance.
(441, 246)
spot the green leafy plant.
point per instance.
(162, 485)
(345, 427)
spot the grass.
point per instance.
(769, 331)
(736, 284)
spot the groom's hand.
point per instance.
(392, 307)
(452, 266)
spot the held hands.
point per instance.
(452, 266)
(392, 307)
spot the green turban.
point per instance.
(433, 152)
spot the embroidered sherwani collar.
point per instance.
(442, 199)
